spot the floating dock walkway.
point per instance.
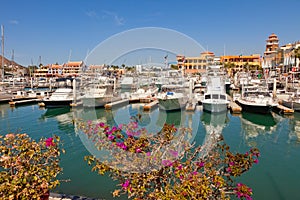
(109, 106)
(191, 106)
(283, 110)
(234, 108)
(151, 105)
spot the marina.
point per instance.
(275, 135)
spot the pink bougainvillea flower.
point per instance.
(166, 163)
(101, 124)
(243, 190)
(111, 137)
(125, 184)
(148, 153)
(173, 153)
(138, 150)
(200, 164)
(228, 169)
(179, 167)
(255, 161)
(113, 129)
(49, 142)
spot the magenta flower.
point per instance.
(148, 153)
(101, 124)
(231, 163)
(200, 164)
(166, 163)
(173, 153)
(129, 133)
(121, 145)
(179, 167)
(111, 137)
(49, 142)
(125, 184)
(228, 169)
(113, 129)
(255, 161)
(243, 190)
(138, 150)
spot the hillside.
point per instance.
(9, 62)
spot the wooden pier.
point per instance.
(234, 108)
(119, 103)
(151, 105)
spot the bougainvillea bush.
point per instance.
(28, 169)
(167, 165)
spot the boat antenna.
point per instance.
(166, 61)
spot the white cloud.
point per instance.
(117, 19)
(13, 21)
(92, 14)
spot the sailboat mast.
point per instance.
(2, 33)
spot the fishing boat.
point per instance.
(172, 97)
(293, 101)
(257, 99)
(98, 93)
(215, 97)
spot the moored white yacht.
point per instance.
(172, 98)
(256, 99)
(215, 98)
(59, 98)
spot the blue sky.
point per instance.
(58, 29)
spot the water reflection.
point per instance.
(214, 124)
(254, 124)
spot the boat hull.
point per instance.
(56, 104)
(215, 107)
(291, 104)
(254, 108)
(98, 102)
(172, 104)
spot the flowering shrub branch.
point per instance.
(166, 165)
(28, 168)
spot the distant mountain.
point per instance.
(9, 62)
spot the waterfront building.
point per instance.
(41, 72)
(69, 69)
(242, 62)
(192, 65)
(270, 59)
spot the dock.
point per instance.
(234, 108)
(22, 102)
(151, 105)
(191, 106)
(119, 103)
(76, 104)
(283, 110)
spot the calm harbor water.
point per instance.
(278, 138)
